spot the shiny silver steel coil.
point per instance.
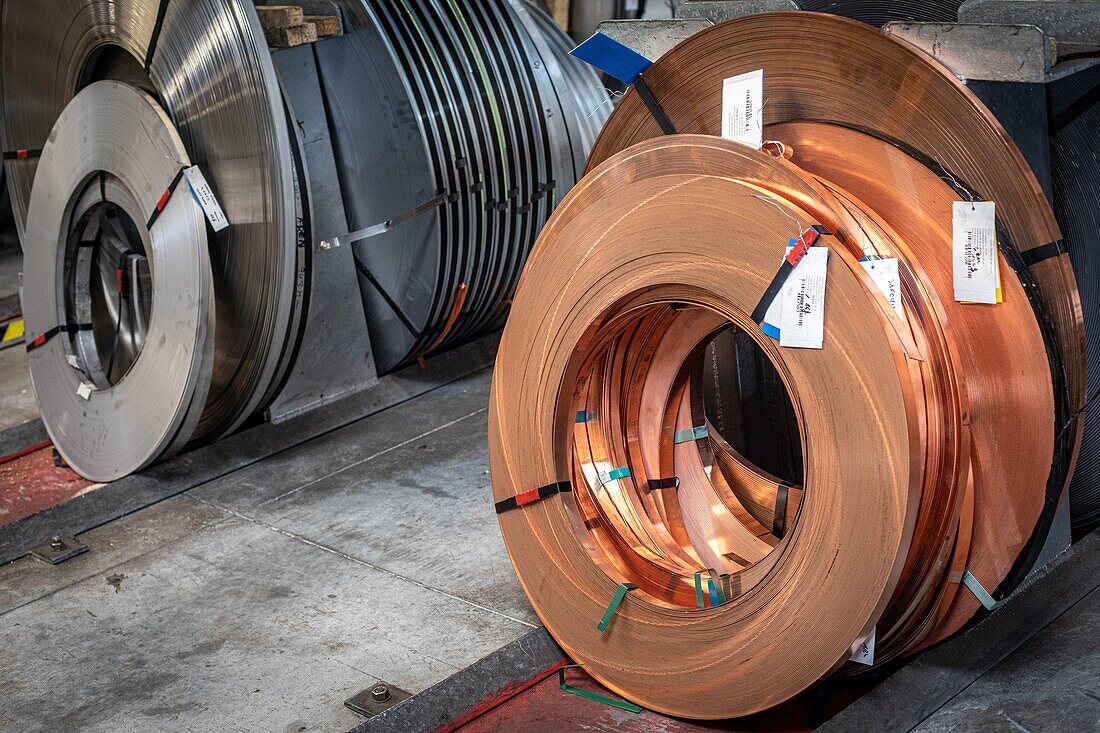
(121, 369)
(486, 124)
(207, 64)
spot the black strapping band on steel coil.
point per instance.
(779, 519)
(22, 154)
(43, 338)
(656, 484)
(530, 497)
(155, 37)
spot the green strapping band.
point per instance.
(615, 474)
(686, 436)
(620, 594)
(979, 591)
(620, 704)
(714, 586)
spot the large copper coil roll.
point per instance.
(915, 469)
(896, 95)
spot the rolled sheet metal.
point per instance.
(121, 370)
(486, 123)
(207, 64)
(921, 499)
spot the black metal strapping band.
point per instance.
(785, 270)
(530, 497)
(154, 38)
(654, 107)
(164, 199)
(779, 519)
(656, 484)
(43, 338)
(1032, 257)
(23, 154)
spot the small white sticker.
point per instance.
(802, 315)
(974, 250)
(742, 108)
(863, 651)
(73, 362)
(884, 273)
(204, 195)
(84, 391)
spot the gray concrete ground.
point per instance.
(263, 600)
(1048, 684)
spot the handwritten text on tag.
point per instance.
(974, 251)
(206, 198)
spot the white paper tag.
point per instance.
(73, 362)
(84, 391)
(863, 651)
(202, 192)
(802, 318)
(742, 108)
(884, 273)
(974, 251)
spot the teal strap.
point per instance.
(620, 594)
(620, 704)
(715, 592)
(980, 592)
(614, 474)
(585, 415)
(686, 436)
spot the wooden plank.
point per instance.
(326, 25)
(291, 37)
(559, 9)
(280, 17)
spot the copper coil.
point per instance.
(646, 270)
(897, 95)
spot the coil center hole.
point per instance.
(686, 452)
(108, 291)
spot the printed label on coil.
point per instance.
(863, 651)
(974, 252)
(884, 273)
(206, 199)
(742, 108)
(802, 314)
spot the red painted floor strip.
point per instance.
(29, 483)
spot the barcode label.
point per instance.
(974, 251)
(742, 108)
(206, 199)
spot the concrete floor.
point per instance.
(17, 403)
(263, 600)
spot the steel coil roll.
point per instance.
(125, 365)
(880, 12)
(207, 65)
(684, 576)
(1074, 120)
(485, 123)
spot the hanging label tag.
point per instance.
(863, 651)
(884, 273)
(84, 391)
(802, 318)
(742, 108)
(974, 251)
(204, 195)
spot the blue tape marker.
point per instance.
(612, 58)
(686, 436)
(585, 415)
(770, 330)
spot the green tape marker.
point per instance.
(620, 704)
(615, 474)
(686, 436)
(620, 594)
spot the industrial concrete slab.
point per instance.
(227, 608)
(17, 402)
